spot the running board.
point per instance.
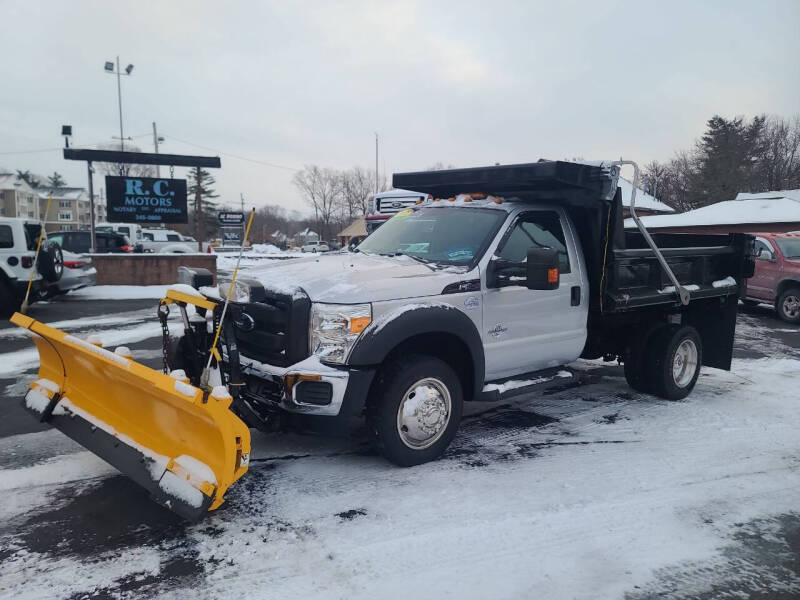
(535, 381)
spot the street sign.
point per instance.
(146, 200)
(232, 236)
(228, 217)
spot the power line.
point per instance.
(245, 158)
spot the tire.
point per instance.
(788, 305)
(8, 300)
(671, 377)
(51, 262)
(401, 436)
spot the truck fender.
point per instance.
(387, 332)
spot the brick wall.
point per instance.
(147, 269)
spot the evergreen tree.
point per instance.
(56, 180)
(728, 154)
(207, 194)
(29, 178)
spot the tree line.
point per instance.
(733, 155)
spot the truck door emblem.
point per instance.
(471, 302)
(497, 330)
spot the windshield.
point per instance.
(437, 235)
(789, 246)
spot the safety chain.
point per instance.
(163, 313)
(171, 172)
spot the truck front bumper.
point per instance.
(308, 387)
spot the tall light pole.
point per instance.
(109, 68)
(156, 139)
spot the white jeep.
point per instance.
(18, 240)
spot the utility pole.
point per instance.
(242, 198)
(376, 162)
(198, 210)
(155, 143)
(92, 244)
(119, 99)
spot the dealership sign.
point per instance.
(146, 200)
(232, 236)
(229, 217)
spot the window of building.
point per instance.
(64, 204)
(65, 216)
(30, 213)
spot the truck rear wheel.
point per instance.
(788, 305)
(417, 409)
(674, 358)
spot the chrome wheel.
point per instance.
(684, 363)
(791, 306)
(424, 413)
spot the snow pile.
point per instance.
(185, 389)
(727, 282)
(121, 292)
(181, 489)
(184, 288)
(220, 392)
(179, 374)
(36, 400)
(197, 469)
(98, 350)
(265, 249)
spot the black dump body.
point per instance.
(629, 290)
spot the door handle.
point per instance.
(575, 296)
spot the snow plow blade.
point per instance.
(182, 444)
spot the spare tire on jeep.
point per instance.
(51, 261)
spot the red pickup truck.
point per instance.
(777, 276)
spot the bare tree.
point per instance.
(123, 169)
(778, 159)
(322, 190)
(357, 185)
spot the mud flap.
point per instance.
(183, 445)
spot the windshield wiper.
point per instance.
(428, 263)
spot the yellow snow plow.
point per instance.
(180, 442)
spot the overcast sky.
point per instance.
(464, 83)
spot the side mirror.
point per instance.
(765, 254)
(542, 269)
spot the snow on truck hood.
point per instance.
(349, 278)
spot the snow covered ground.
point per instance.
(589, 492)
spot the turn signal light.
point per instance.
(359, 324)
(126, 248)
(552, 275)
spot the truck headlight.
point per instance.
(335, 329)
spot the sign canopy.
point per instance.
(146, 200)
(228, 217)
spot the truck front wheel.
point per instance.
(417, 409)
(675, 355)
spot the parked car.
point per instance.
(383, 206)
(315, 246)
(132, 231)
(18, 241)
(78, 273)
(79, 242)
(777, 276)
(166, 241)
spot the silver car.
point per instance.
(78, 273)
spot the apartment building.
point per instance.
(17, 198)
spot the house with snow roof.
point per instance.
(767, 212)
(645, 203)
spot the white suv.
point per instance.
(18, 239)
(314, 246)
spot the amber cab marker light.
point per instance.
(498, 200)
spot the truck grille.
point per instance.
(273, 331)
(389, 206)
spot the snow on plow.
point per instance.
(181, 443)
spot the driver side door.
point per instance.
(527, 330)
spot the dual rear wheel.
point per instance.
(667, 364)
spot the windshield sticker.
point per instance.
(403, 213)
(460, 254)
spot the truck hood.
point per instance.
(355, 277)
